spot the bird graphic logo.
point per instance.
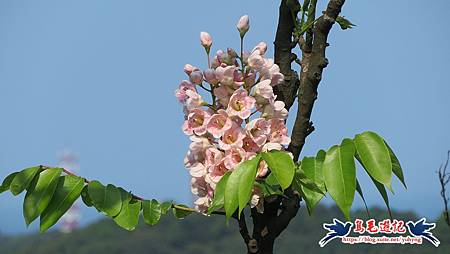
(337, 229)
(422, 229)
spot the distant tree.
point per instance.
(444, 179)
(241, 157)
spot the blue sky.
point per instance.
(98, 77)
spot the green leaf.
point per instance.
(344, 23)
(23, 179)
(165, 206)
(152, 212)
(312, 168)
(85, 197)
(380, 188)
(396, 167)
(339, 172)
(282, 166)
(219, 194)
(269, 190)
(360, 192)
(271, 180)
(7, 182)
(41, 192)
(233, 197)
(384, 194)
(128, 217)
(106, 199)
(180, 213)
(374, 156)
(246, 180)
(67, 191)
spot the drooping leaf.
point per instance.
(268, 190)
(67, 192)
(361, 194)
(107, 199)
(310, 192)
(151, 212)
(219, 194)
(165, 206)
(232, 193)
(339, 173)
(384, 194)
(380, 188)
(40, 193)
(312, 168)
(396, 167)
(7, 182)
(23, 179)
(179, 212)
(128, 217)
(344, 23)
(374, 156)
(271, 180)
(85, 196)
(282, 166)
(246, 180)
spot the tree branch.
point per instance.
(444, 179)
(312, 65)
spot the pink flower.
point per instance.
(232, 138)
(256, 60)
(219, 123)
(180, 93)
(196, 152)
(243, 25)
(205, 40)
(271, 146)
(216, 172)
(262, 47)
(271, 71)
(240, 104)
(223, 94)
(225, 75)
(233, 157)
(188, 69)
(194, 100)
(201, 204)
(199, 186)
(278, 132)
(197, 170)
(196, 122)
(250, 146)
(264, 93)
(275, 110)
(210, 76)
(213, 156)
(257, 130)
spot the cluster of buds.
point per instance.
(242, 119)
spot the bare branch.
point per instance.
(444, 179)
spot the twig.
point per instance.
(135, 197)
(444, 179)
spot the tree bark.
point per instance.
(279, 212)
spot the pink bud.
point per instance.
(188, 69)
(243, 25)
(210, 76)
(196, 77)
(205, 40)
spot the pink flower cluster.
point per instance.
(242, 119)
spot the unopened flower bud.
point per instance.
(196, 77)
(206, 40)
(243, 25)
(188, 69)
(210, 76)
